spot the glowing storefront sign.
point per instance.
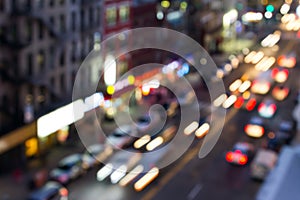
(60, 118)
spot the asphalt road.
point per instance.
(190, 177)
(193, 178)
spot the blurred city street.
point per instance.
(90, 110)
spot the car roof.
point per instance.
(256, 120)
(71, 159)
(242, 146)
(48, 190)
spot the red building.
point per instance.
(117, 17)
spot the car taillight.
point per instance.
(229, 157)
(274, 72)
(251, 104)
(260, 107)
(273, 106)
(243, 159)
(239, 102)
(246, 128)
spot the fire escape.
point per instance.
(59, 39)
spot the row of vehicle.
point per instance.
(264, 158)
(69, 168)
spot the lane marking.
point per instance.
(186, 159)
(191, 154)
(195, 191)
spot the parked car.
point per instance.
(148, 125)
(68, 168)
(122, 137)
(263, 162)
(240, 153)
(118, 165)
(95, 154)
(50, 191)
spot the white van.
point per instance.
(263, 162)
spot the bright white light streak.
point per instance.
(146, 179)
(266, 41)
(218, 101)
(285, 8)
(269, 63)
(249, 57)
(261, 63)
(235, 85)
(257, 57)
(104, 172)
(202, 130)
(154, 143)
(131, 175)
(230, 101)
(142, 141)
(245, 86)
(191, 128)
(119, 173)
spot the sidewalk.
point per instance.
(16, 186)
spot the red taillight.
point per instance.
(262, 130)
(274, 72)
(251, 104)
(243, 159)
(260, 107)
(229, 157)
(273, 107)
(239, 102)
(246, 128)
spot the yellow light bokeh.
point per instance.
(131, 79)
(110, 89)
(165, 4)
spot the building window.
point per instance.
(62, 23)
(62, 2)
(40, 3)
(41, 96)
(52, 20)
(51, 3)
(74, 50)
(2, 6)
(40, 30)
(111, 16)
(62, 59)
(98, 15)
(28, 30)
(91, 16)
(40, 59)
(29, 64)
(62, 82)
(73, 21)
(51, 57)
(124, 12)
(82, 21)
(14, 32)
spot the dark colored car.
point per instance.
(50, 191)
(68, 168)
(240, 153)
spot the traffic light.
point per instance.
(270, 8)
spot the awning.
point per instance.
(17, 137)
